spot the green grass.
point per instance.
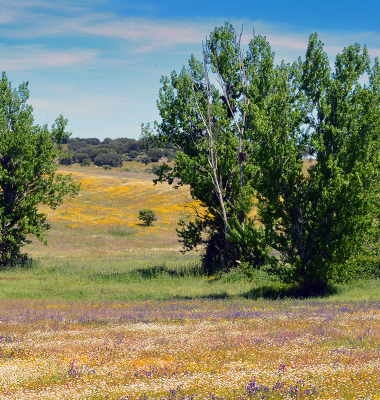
(115, 280)
(154, 279)
(133, 262)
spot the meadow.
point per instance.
(111, 309)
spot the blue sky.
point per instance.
(99, 62)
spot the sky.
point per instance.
(99, 62)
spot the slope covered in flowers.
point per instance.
(112, 200)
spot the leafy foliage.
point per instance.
(79, 157)
(112, 159)
(245, 139)
(146, 160)
(208, 127)
(28, 175)
(155, 154)
(321, 219)
(133, 154)
(147, 216)
(66, 160)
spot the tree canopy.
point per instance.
(28, 177)
(242, 125)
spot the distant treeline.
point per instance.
(112, 152)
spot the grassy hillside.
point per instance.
(111, 309)
(102, 220)
(99, 250)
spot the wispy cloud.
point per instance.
(46, 19)
(100, 65)
(25, 57)
(164, 32)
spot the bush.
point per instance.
(79, 157)
(133, 154)
(134, 145)
(122, 148)
(169, 154)
(65, 160)
(112, 159)
(360, 267)
(146, 160)
(86, 162)
(107, 167)
(155, 154)
(97, 151)
(147, 216)
(76, 143)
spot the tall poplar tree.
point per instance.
(317, 221)
(203, 111)
(242, 143)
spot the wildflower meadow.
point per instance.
(207, 349)
(110, 309)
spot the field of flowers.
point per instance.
(206, 349)
(188, 345)
(102, 221)
(114, 200)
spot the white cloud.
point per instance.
(99, 68)
(38, 19)
(25, 57)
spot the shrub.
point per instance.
(86, 162)
(96, 151)
(169, 154)
(147, 216)
(134, 145)
(360, 267)
(65, 160)
(133, 154)
(108, 167)
(122, 148)
(112, 159)
(155, 154)
(146, 160)
(79, 157)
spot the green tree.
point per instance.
(146, 160)
(147, 216)
(319, 220)
(244, 138)
(112, 159)
(155, 154)
(133, 154)
(206, 122)
(28, 175)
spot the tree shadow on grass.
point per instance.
(211, 296)
(272, 292)
(22, 262)
(155, 271)
(151, 272)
